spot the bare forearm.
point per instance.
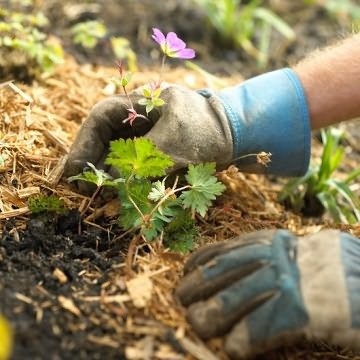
(331, 80)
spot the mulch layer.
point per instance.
(98, 293)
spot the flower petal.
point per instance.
(185, 53)
(174, 43)
(158, 36)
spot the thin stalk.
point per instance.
(128, 97)
(170, 193)
(131, 199)
(161, 69)
(90, 201)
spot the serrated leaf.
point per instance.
(138, 190)
(158, 191)
(181, 232)
(138, 157)
(204, 188)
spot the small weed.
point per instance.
(150, 207)
(21, 32)
(46, 203)
(318, 186)
(239, 25)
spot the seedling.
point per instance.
(237, 25)
(88, 33)
(151, 207)
(43, 203)
(319, 187)
(172, 46)
(21, 32)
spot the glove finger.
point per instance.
(217, 315)
(104, 124)
(221, 271)
(206, 253)
(277, 322)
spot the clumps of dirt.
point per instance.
(42, 269)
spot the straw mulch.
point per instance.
(134, 307)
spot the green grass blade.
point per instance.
(343, 189)
(271, 18)
(330, 204)
(352, 176)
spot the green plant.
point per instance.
(241, 24)
(149, 206)
(333, 194)
(123, 51)
(46, 203)
(88, 33)
(21, 32)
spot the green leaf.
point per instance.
(158, 191)
(149, 107)
(353, 175)
(157, 102)
(96, 176)
(43, 203)
(147, 92)
(158, 220)
(143, 101)
(138, 157)
(332, 153)
(343, 189)
(180, 233)
(204, 187)
(126, 79)
(331, 205)
(138, 190)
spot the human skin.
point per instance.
(331, 80)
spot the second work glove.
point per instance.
(269, 289)
(266, 113)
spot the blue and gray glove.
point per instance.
(269, 289)
(266, 113)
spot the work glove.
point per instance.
(267, 113)
(269, 289)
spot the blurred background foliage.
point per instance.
(229, 35)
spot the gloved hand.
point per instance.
(267, 113)
(268, 289)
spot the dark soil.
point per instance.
(27, 270)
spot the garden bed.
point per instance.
(98, 293)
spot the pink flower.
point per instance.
(172, 46)
(132, 115)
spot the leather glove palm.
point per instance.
(269, 288)
(187, 128)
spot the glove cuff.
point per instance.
(270, 113)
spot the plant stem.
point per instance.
(131, 199)
(170, 193)
(161, 68)
(128, 97)
(90, 201)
